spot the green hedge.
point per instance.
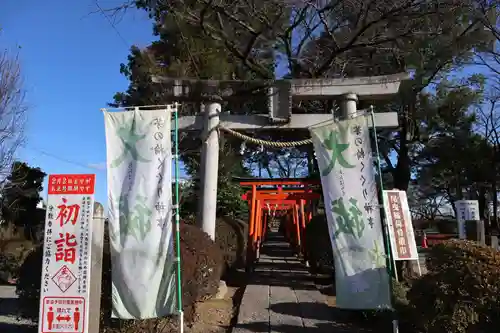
(231, 235)
(201, 270)
(318, 245)
(461, 291)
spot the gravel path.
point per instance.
(8, 310)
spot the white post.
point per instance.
(481, 234)
(419, 267)
(210, 168)
(494, 242)
(96, 268)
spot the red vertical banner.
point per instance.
(400, 227)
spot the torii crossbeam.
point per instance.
(279, 116)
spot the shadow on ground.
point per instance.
(9, 312)
(317, 311)
(281, 268)
(259, 327)
(283, 280)
(288, 273)
(324, 312)
(17, 328)
(8, 307)
(337, 320)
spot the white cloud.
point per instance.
(97, 166)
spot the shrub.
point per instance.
(229, 202)
(11, 258)
(231, 235)
(461, 292)
(201, 265)
(446, 226)
(319, 246)
(201, 270)
(28, 284)
(8, 267)
(402, 305)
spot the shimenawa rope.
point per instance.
(272, 144)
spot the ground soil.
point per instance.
(356, 321)
(210, 316)
(220, 315)
(12, 245)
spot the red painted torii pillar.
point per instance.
(291, 200)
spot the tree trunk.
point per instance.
(494, 223)
(482, 201)
(402, 175)
(310, 161)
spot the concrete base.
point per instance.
(221, 293)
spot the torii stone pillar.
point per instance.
(209, 168)
(281, 94)
(348, 106)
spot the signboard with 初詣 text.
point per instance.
(64, 293)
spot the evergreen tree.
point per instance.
(20, 197)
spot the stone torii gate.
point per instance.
(279, 116)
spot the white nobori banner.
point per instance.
(352, 209)
(139, 164)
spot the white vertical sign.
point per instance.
(397, 211)
(65, 277)
(467, 210)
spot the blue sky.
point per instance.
(70, 57)
(70, 60)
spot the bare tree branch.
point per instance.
(13, 111)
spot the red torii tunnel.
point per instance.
(291, 199)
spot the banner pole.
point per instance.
(395, 324)
(177, 219)
(382, 211)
